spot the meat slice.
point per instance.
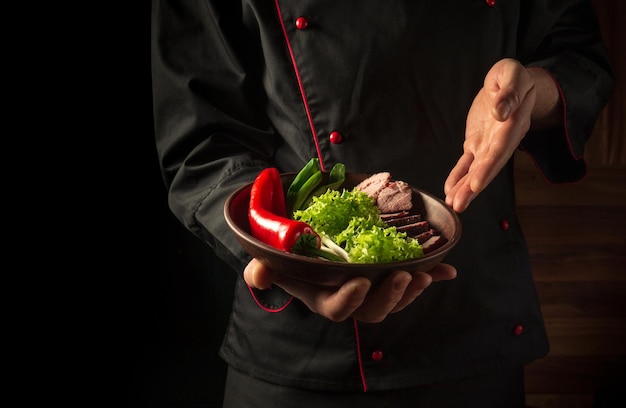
(392, 216)
(394, 199)
(424, 236)
(436, 241)
(402, 220)
(395, 196)
(374, 184)
(414, 229)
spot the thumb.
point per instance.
(258, 275)
(512, 83)
(502, 110)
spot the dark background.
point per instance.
(171, 295)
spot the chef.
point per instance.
(438, 93)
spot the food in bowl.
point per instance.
(442, 221)
(372, 222)
(341, 226)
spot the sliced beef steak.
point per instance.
(424, 236)
(374, 183)
(395, 196)
(414, 229)
(394, 199)
(434, 242)
(393, 216)
(402, 220)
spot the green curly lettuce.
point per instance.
(331, 212)
(378, 244)
(352, 220)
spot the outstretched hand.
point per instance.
(497, 121)
(354, 298)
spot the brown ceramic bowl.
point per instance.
(441, 217)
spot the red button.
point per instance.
(490, 3)
(377, 355)
(301, 23)
(335, 137)
(517, 330)
(504, 224)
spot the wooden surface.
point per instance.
(576, 235)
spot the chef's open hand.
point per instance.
(497, 121)
(354, 298)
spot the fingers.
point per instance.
(498, 119)
(456, 188)
(400, 290)
(419, 282)
(443, 272)
(461, 197)
(384, 299)
(258, 275)
(351, 299)
(488, 166)
(458, 172)
(355, 298)
(334, 304)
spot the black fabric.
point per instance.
(502, 390)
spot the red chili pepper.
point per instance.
(267, 214)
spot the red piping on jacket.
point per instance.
(358, 354)
(300, 85)
(569, 141)
(321, 161)
(267, 309)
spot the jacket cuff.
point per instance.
(558, 153)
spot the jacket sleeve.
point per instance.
(211, 133)
(567, 43)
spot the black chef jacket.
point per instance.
(379, 85)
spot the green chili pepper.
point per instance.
(294, 192)
(306, 190)
(336, 177)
